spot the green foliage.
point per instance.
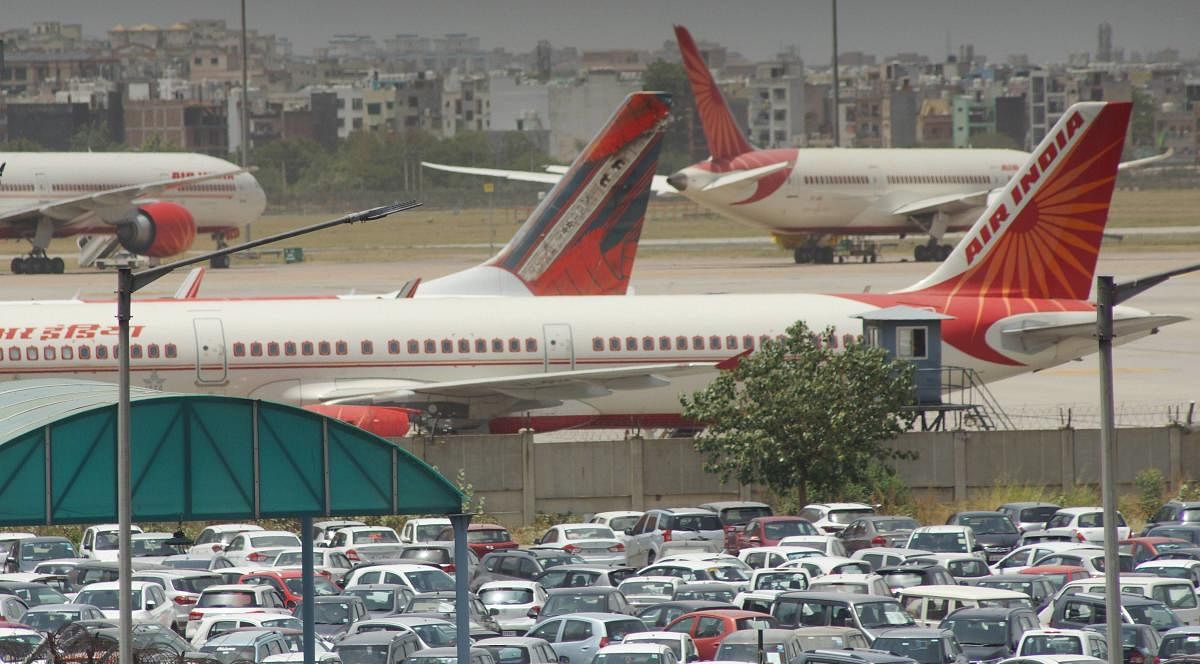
(94, 139)
(281, 164)
(159, 143)
(799, 417)
(1151, 487)
(1189, 491)
(21, 145)
(1078, 495)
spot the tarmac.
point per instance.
(1154, 376)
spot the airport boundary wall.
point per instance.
(517, 478)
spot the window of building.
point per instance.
(239, 349)
(341, 347)
(357, 123)
(356, 104)
(366, 347)
(256, 349)
(323, 348)
(911, 343)
(430, 346)
(306, 348)
(273, 348)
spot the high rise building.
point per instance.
(1104, 49)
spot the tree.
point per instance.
(802, 418)
(94, 139)
(21, 145)
(1141, 125)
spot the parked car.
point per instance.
(32, 594)
(828, 545)
(886, 556)
(424, 529)
(856, 657)
(642, 591)
(433, 632)
(711, 591)
(233, 598)
(859, 584)
(420, 578)
(440, 554)
(910, 575)
(760, 557)
(1024, 556)
(659, 531)
(515, 603)
(258, 547)
(213, 539)
(512, 564)
(289, 583)
(29, 551)
(1085, 524)
(929, 605)
(150, 603)
(1139, 643)
(779, 645)
(709, 628)
(1029, 516)
(577, 637)
(1180, 642)
(925, 645)
(619, 521)
(101, 542)
(377, 647)
(50, 617)
(1174, 512)
(821, 565)
(333, 614)
(1188, 553)
(993, 530)
(182, 588)
(1187, 570)
(660, 615)
(592, 543)
(366, 543)
(597, 599)
(1062, 642)
(1038, 588)
(12, 609)
(682, 645)
(324, 560)
(1189, 532)
(578, 576)
(443, 605)
(987, 634)
(944, 539)
(382, 599)
(249, 645)
(519, 650)
(832, 517)
(322, 531)
(832, 638)
(1057, 574)
(483, 538)
(1148, 548)
(870, 614)
(737, 512)
(1082, 609)
(765, 531)
(220, 623)
(1090, 558)
(962, 566)
(877, 531)
(692, 571)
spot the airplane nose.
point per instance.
(679, 181)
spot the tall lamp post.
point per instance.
(1108, 295)
(129, 282)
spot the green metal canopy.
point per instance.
(196, 457)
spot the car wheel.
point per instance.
(649, 558)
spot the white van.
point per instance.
(928, 605)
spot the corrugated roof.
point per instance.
(26, 405)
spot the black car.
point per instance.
(1174, 512)
(596, 599)
(658, 615)
(1039, 589)
(994, 530)
(1079, 610)
(1183, 531)
(521, 564)
(918, 574)
(1190, 553)
(1140, 643)
(925, 645)
(880, 530)
(990, 633)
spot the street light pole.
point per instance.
(128, 283)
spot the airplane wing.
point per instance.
(949, 203)
(743, 177)
(1146, 161)
(108, 203)
(1035, 338)
(551, 176)
(539, 387)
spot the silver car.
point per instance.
(576, 637)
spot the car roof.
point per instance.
(510, 583)
(726, 504)
(978, 513)
(116, 585)
(961, 592)
(66, 606)
(596, 615)
(1079, 510)
(1051, 569)
(586, 590)
(1008, 578)
(943, 528)
(229, 587)
(751, 635)
(681, 511)
(374, 637)
(240, 636)
(840, 506)
(1170, 562)
(985, 611)
(1028, 504)
(849, 598)
(1126, 598)
(529, 641)
(637, 647)
(917, 633)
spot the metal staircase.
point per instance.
(965, 403)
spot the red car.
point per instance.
(709, 628)
(483, 538)
(1059, 575)
(289, 583)
(766, 531)
(1145, 548)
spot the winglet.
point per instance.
(409, 289)
(731, 363)
(190, 288)
(1040, 238)
(725, 139)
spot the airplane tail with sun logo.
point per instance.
(1040, 234)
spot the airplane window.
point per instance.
(152, 351)
(730, 342)
(514, 345)
(430, 346)
(647, 343)
(748, 342)
(323, 347)
(714, 342)
(481, 345)
(341, 347)
(530, 345)
(169, 350)
(273, 348)
(289, 348)
(614, 343)
(85, 353)
(464, 345)
(630, 343)
(597, 344)
(447, 346)
(256, 348)
(49, 353)
(497, 345)
(68, 353)
(31, 353)
(366, 347)
(413, 347)
(664, 343)
(697, 343)
(306, 348)
(135, 352)
(681, 343)
(101, 352)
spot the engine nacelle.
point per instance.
(158, 229)
(383, 421)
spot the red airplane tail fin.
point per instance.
(1039, 238)
(583, 236)
(725, 139)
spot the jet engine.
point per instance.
(385, 421)
(158, 229)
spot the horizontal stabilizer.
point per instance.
(516, 176)
(745, 177)
(1145, 161)
(1039, 337)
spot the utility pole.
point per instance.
(245, 85)
(837, 116)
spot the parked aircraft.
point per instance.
(1015, 289)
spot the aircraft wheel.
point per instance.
(871, 258)
(920, 253)
(946, 249)
(803, 255)
(825, 255)
(57, 266)
(17, 265)
(219, 262)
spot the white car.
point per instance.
(1024, 556)
(512, 601)
(152, 547)
(322, 531)
(834, 517)
(334, 562)
(1090, 558)
(258, 547)
(638, 651)
(100, 542)
(1074, 642)
(681, 644)
(420, 578)
(641, 591)
(593, 543)
(818, 566)
(182, 587)
(150, 604)
(761, 557)
(362, 543)
(422, 529)
(699, 571)
(884, 556)
(944, 539)
(1085, 524)
(235, 598)
(619, 521)
(859, 584)
(220, 623)
(826, 544)
(433, 632)
(1188, 570)
(212, 540)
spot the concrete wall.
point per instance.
(518, 478)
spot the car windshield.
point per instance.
(822, 641)
(661, 588)
(1015, 586)
(363, 654)
(847, 516)
(1179, 644)
(107, 599)
(39, 595)
(1059, 520)
(726, 573)
(968, 568)
(554, 561)
(194, 584)
(226, 599)
(433, 580)
(1167, 572)
(267, 541)
(925, 651)
(557, 605)
(765, 622)
(1036, 514)
(229, 653)
(106, 540)
(734, 516)
(748, 652)
(593, 532)
(1051, 644)
(333, 613)
(1155, 615)
(321, 585)
(617, 629)
(284, 621)
(977, 631)
(49, 621)
(153, 546)
(421, 604)
(46, 550)
(376, 600)
(990, 524)
(696, 522)
(428, 532)
(622, 523)
(509, 654)
(435, 555)
(902, 579)
(676, 645)
(894, 525)
(490, 535)
(713, 595)
(503, 596)
(777, 530)
(953, 542)
(882, 614)
(18, 640)
(375, 537)
(435, 634)
(781, 581)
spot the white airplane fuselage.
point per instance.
(32, 179)
(849, 191)
(309, 350)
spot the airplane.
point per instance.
(1015, 290)
(155, 203)
(802, 196)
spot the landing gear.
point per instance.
(932, 251)
(37, 263)
(219, 262)
(813, 254)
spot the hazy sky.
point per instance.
(1045, 29)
